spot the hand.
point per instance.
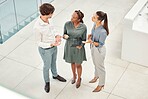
(55, 44)
(89, 41)
(79, 47)
(65, 36)
(96, 43)
(58, 38)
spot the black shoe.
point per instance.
(59, 78)
(47, 87)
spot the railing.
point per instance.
(16, 14)
(2, 1)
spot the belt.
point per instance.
(48, 48)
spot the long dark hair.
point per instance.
(80, 15)
(103, 16)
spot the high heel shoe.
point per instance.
(73, 81)
(98, 88)
(94, 80)
(78, 84)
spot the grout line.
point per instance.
(23, 79)
(63, 89)
(118, 96)
(22, 63)
(83, 64)
(140, 65)
(112, 63)
(15, 47)
(118, 80)
(2, 58)
(116, 64)
(64, 8)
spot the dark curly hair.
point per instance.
(80, 15)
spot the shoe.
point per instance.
(78, 84)
(59, 78)
(73, 81)
(47, 87)
(98, 88)
(94, 80)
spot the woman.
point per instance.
(97, 39)
(74, 52)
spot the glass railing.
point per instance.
(15, 14)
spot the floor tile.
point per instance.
(70, 92)
(116, 34)
(12, 73)
(26, 53)
(26, 32)
(120, 62)
(110, 59)
(115, 97)
(22, 62)
(111, 77)
(59, 6)
(133, 85)
(10, 45)
(1, 57)
(113, 48)
(33, 86)
(121, 4)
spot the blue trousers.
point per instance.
(49, 57)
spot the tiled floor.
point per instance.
(21, 65)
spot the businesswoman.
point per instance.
(97, 41)
(74, 51)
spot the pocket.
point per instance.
(102, 51)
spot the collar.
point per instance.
(97, 27)
(41, 22)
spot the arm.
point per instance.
(65, 35)
(84, 36)
(89, 36)
(102, 39)
(83, 39)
